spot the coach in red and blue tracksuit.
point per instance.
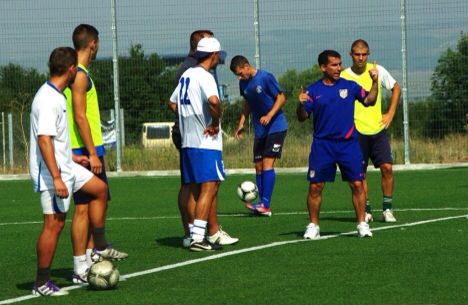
(331, 102)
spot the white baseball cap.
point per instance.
(206, 46)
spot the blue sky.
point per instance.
(292, 32)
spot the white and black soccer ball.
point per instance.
(103, 275)
(247, 191)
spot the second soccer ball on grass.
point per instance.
(247, 191)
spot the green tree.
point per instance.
(146, 83)
(18, 86)
(450, 92)
(291, 82)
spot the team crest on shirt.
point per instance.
(312, 174)
(343, 93)
(276, 147)
(258, 89)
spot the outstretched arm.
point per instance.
(78, 89)
(172, 106)
(388, 116)
(48, 155)
(240, 126)
(215, 112)
(374, 91)
(302, 115)
(280, 99)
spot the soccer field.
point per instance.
(421, 259)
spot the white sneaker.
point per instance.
(387, 216)
(221, 238)
(108, 253)
(312, 231)
(368, 218)
(204, 245)
(186, 241)
(363, 230)
(80, 278)
(48, 289)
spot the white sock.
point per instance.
(199, 230)
(79, 264)
(190, 227)
(89, 261)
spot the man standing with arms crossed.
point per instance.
(197, 103)
(86, 139)
(371, 124)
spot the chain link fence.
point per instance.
(153, 38)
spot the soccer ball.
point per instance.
(103, 275)
(247, 191)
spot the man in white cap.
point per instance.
(196, 100)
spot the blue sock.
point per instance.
(258, 178)
(268, 178)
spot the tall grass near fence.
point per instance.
(238, 154)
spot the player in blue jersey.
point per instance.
(331, 102)
(263, 99)
(196, 101)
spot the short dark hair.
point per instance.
(83, 34)
(238, 61)
(61, 59)
(323, 57)
(196, 36)
(361, 43)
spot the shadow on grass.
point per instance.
(64, 274)
(25, 286)
(175, 242)
(300, 234)
(340, 219)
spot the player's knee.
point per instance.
(100, 190)
(356, 186)
(386, 170)
(315, 189)
(55, 226)
(80, 211)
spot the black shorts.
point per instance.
(81, 197)
(269, 146)
(176, 136)
(376, 147)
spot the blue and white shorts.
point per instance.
(51, 204)
(201, 165)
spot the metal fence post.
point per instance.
(404, 85)
(257, 33)
(122, 127)
(10, 139)
(3, 140)
(115, 64)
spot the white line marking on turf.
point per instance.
(244, 215)
(235, 252)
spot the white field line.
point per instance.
(242, 215)
(243, 171)
(240, 251)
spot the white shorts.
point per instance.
(51, 204)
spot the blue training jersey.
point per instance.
(333, 108)
(260, 92)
